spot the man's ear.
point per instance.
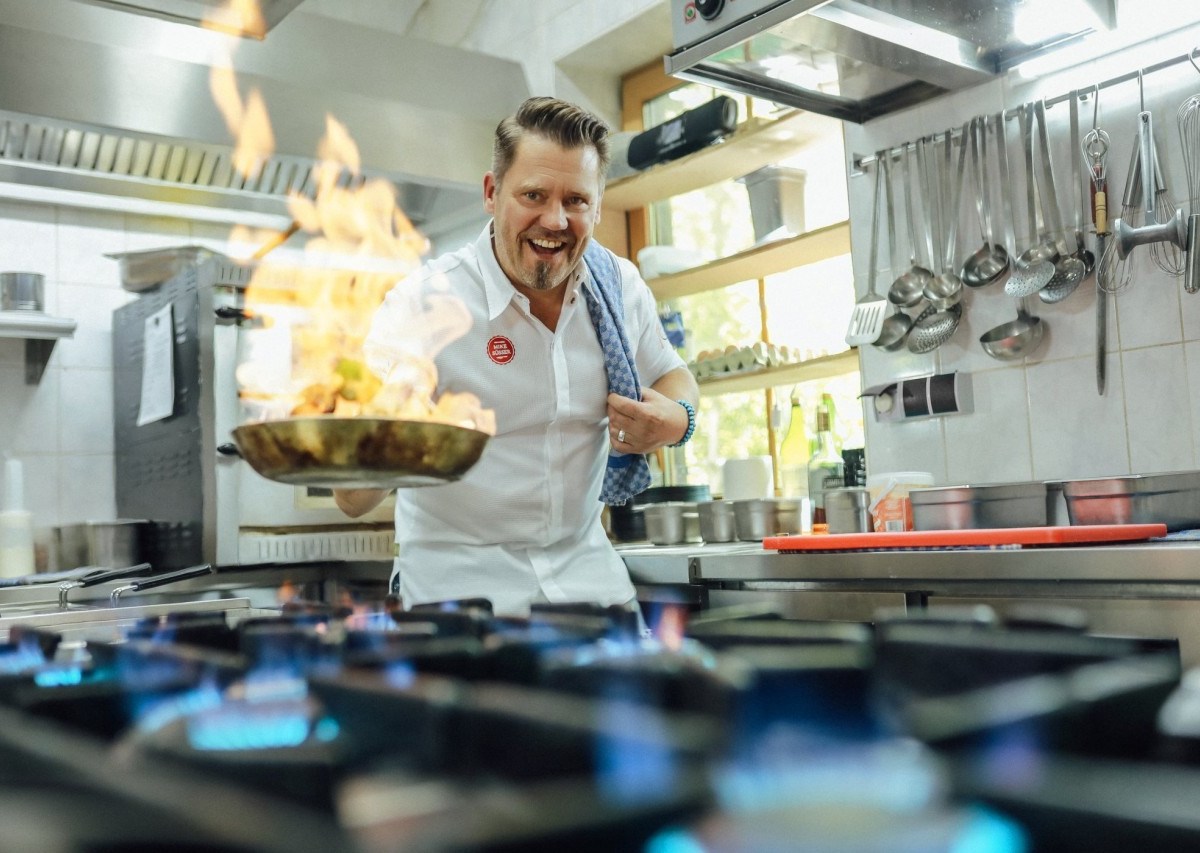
(489, 193)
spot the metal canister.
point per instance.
(848, 510)
(22, 291)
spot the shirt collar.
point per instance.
(498, 290)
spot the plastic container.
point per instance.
(776, 196)
(891, 508)
(747, 479)
(16, 525)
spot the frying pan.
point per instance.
(359, 453)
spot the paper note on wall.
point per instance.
(158, 368)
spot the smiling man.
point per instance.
(565, 346)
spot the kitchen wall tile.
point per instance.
(1191, 353)
(1190, 314)
(915, 445)
(1074, 432)
(1148, 311)
(87, 406)
(96, 502)
(154, 232)
(91, 307)
(12, 351)
(879, 366)
(27, 240)
(42, 487)
(1157, 409)
(30, 423)
(84, 237)
(989, 445)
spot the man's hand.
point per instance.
(655, 422)
(356, 502)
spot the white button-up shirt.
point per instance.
(524, 524)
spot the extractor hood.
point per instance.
(105, 109)
(219, 15)
(855, 60)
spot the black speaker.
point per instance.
(684, 134)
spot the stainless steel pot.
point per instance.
(717, 521)
(848, 510)
(672, 523)
(110, 544)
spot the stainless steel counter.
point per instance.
(1144, 589)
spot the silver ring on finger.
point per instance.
(620, 436)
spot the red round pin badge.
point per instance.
(501, 350)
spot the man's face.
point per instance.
(544, 209)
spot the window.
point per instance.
(804, 307)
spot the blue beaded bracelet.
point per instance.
(691, 423)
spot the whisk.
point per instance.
(1189, 134)
(1166, 256)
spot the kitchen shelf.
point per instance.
(40, 332)
(784, 374)
(757, 262)
(757, 142)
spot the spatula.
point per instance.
(866, 321)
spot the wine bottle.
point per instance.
(825, 468)
(794, 453)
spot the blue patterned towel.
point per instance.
(627, 474)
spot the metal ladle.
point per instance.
(990, 261)
(946, 289)
(1015, 339)
(1035, 266)
(1068, 269)
(897, 324)
(906, 289)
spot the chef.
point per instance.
(566, 347)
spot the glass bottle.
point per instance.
(794, 452)
(829, 406)
(825, 469)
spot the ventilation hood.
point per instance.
(102, 108)
(216, 14)
(855, 60)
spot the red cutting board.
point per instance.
(996, 538)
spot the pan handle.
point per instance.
(100, 576)
(160, 580)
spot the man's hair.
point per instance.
(559, 121)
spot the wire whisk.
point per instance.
(1188, 116)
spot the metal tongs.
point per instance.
(159, 580)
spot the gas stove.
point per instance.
(444, 727)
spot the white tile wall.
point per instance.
(1042, 417)
(61, 428)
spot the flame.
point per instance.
(237, 17)
(359, 245)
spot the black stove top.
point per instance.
(446, 728)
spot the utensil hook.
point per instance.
(1192, 58)
(1141, 92)
(1095, 106)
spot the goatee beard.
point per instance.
(541, 277)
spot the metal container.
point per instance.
(672, 523)
(1056, 505)
(979, 507)
(848, 510)
(716, 521)
(110, 544)
(22, 291)
(755, 520)
(151, 267)
(1170, 499)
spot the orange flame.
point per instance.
(321, 312)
